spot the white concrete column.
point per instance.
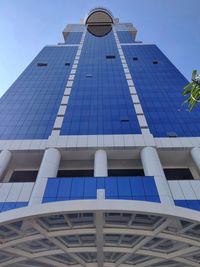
(5, 157)
(195, 153)
(100, 169)
(48, 168)
(152, 167)
(100, 164)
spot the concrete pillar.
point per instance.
(5, 157)
(195, 153)
(152, 167)
(100, 169)
(48, 168)
(100, 164)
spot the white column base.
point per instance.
(100, 164)
(152, 167)
(48, 168)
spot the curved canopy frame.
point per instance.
(80, 233)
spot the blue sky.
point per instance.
(27, 26)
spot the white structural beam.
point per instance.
(148, 262)
(48, 168)
(100, 170)
(99, 238)
(51, 262)
(187, 262)
(5, 157)
(100, 164)
(152, 167)
(12, 261)
(57, 242)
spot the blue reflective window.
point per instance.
(4, 206)
(8, 206)
(125, 37)
(111, 188)
(64, 188)
(193, 204)
(137, 187)
(21, 204)
(149, 186)
(181, 203)
(130, 188)
(51, 188)
(77, 189)
(97, 104)
(100, 183)
(152, 198)
(1, 206)
(28, 109)
(124, 188)
(74, 38)
(159, 87)
(49, 199)
(90, 188)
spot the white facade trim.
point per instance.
(99, 205)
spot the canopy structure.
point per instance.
(93, 234)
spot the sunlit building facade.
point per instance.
(99, 160)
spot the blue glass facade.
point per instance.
(28, 109)
(100, 102)
(74, 38)
(189, 204)
(159, 86)
(125, 37)
(4, 206)
(127, 188)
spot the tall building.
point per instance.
(99, 160)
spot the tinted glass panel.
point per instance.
(131, 172)
(74, 38)
(75, 173)
(97, 104)
(28, 109)
(125, 37)
(23, 176)
(159, 87)
(178, 174)
(129, 188)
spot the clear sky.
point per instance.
(26, 26)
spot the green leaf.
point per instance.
(194, 74)
(192, 91)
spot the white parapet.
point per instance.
(152, 167)
(100, 164)
(5, 157)
(48, 168)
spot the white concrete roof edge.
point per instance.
(75, 206)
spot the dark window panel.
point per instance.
(23, 176)
(42, 64)
(110, 56)
(75, 173)
(178, 174)
(131, 172)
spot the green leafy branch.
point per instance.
(192, 90)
